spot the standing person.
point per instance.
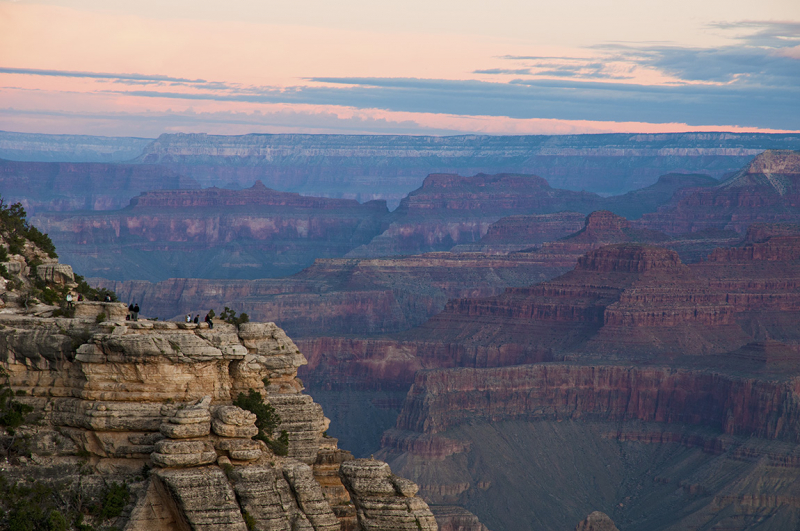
(69, 300)
(136, 312)
(130, 312)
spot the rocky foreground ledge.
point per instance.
(149, 404)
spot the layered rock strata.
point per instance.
(385, 502)
(348, 296)
(212, 233)
(450, 209)
(652, 446)
(765, 191)
(673, 404)
(130, 393)
(389, 166)
(69, 148)
(384, 295)
(64, 186)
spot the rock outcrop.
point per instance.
(385, 502)
(91, 394)
(597, 521)
(161, 392)
(516, 233)
(766, 191)
(450, 209)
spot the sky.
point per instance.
(125, 68)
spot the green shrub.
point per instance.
(4, 258)
(100, 318)
(114, 500)
(267, 421)
(12, 413)
(229, 316)
(56, 521)
(13, 221)
(280, 446)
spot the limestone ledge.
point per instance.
(161, 393)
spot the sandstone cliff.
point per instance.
(137, 424)
(123, 394)
(454, 212)
(765, 191)
(449, 209)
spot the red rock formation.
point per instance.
(766, 191)
(442, 399)
(515, 233)
(597, 521)
(620, 302)
(450, 209)
(252, 233)
(348, 296)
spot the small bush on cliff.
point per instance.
(267, 421)
(12, 413)
(13, 221)
(4, 258)
(50, 504)
(229, 316)
(113, 501)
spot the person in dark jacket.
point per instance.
(209, 321)
(197, 318)
(136, 312)
(130, 312)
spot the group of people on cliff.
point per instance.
(208, 318)
(71, 299)
(133, 312)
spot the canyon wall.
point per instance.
(258, 232)
(442, 399)
(253, 233)
(66, 186)
(389, 166)
(765, 191)
(624, 302)
(384, 295)
(449, 210)
(345, 296)
(33, 147)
